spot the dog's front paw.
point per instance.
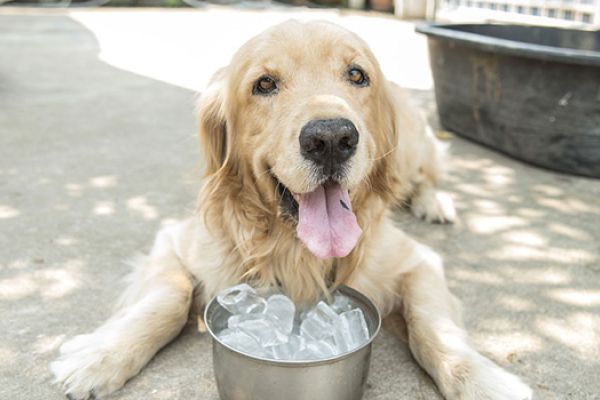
(433, 206)
(480, 379)
(88, 368)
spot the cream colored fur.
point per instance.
(239, 233)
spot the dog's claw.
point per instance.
(91, 396)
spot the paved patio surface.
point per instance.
(98, 150)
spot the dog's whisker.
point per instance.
(384, 154)
(265, 172)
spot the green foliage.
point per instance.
(173, 3)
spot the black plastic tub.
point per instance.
(530, 92)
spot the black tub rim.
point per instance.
(507, 46)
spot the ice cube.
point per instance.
(263, 331)
(325, 313)
(297, 321)
(288, 351)
(319, 322)
(314, 329)
(341, 303)
(351, 330)
(316, 350)
(281, 311)
(225, 332)
(241, 341)
(342, 335)
(241, 299)
(307, 354)
(323, 348)
(235, 320)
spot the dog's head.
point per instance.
(302, 120)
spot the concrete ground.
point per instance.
(98, 150)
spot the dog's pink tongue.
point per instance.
(327, 225)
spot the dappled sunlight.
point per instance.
(554, 254)
(498, 177)
(48, 283)
(104, 208)
(500, 324)
(516, 303)
(580, 332)
(547, 190)
(17, 264)
(8, 357)
(140, 205)
(525, 237)
(485, 277)
(569, 231)
(508, 345)
(95, 182)
(530, 213)
(8, 171)
(65, 240)
(469, 163)
(168, 222)
(473, 189)
(532, 275)
(74, 189)
(46, 344)
(569, 206)
(488, 225)
(489, 207)
(43, 181)
(8, 212)
(524, 258)
(102, 182)
(577, 297)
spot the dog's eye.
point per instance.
(357, 76)
(265, 86)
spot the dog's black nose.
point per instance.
(328, 142)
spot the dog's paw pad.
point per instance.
(86, 369)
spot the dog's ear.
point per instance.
(213, 124)
(399, 146)
(415, 154)
(385, 177)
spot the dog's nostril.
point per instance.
(318, 146)
(344, 143)
(312, 145)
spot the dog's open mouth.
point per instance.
(326, 223)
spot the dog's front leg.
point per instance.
(152, 311)
(440, 344)
(404, 276)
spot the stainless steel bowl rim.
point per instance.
(301, 363)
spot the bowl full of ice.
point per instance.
(267, 348)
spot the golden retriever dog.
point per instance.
(307, 147)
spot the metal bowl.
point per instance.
(241, 376)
